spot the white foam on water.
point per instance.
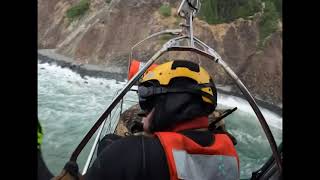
(69, 105)
(272, 119)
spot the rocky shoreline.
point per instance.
(48, 56)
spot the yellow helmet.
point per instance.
(165, 72)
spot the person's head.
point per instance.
(175, 92)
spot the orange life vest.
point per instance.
(189, 160)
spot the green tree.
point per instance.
(165, 10)
(209, 11)
(268, 22)
(78, 9)
(219, 11)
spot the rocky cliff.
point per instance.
(104, 34)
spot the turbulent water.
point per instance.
(68, 106)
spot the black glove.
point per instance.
(72, 168)
(70, 172)
(135, 126)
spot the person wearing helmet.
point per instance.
(176, 99)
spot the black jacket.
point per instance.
(137, 157)
(130, 158)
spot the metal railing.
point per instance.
(174, 45)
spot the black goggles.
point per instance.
(146, 92)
